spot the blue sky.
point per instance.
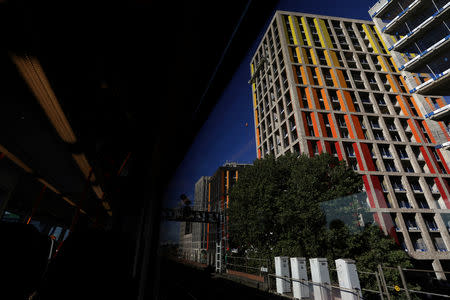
(224, 136)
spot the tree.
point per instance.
(275, 206)
(277, 209)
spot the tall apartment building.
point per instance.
(417, 35)
(199, 229)
(219, 186)
(325, 84)
(185, 241)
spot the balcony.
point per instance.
(421, 29)
(389, 28)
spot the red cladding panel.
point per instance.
(358, 156)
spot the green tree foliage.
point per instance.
(275, 204)
(275, 210)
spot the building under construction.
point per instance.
(329, 84)
(417, 35)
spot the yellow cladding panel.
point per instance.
(291, 24)
(393, 63)
(384, 65)
(324, 37)
(285, 29)
(254, 100)
(376, 47)
(313, 56)
(297, 29)
(381, 39)
(252, 67)
(305, 29)
(299, 56)
(331, 58)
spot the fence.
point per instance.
(248, 265)
(384, 283)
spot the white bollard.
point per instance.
(298, 270)
(320, 274)
(282, 269)
(348, 278)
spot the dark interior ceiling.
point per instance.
(130, 78)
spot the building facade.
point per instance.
(219, 186)
(199, 229)
(417, 35)
(185, 241)
(328, 84)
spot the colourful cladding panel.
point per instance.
(319, 77)
(331, 58)
(339, 151)
(358, 128)
(341, 78)
(321, 123)
(367, 157)
(402, 104)
(319, 147)
(442, 192)
(257, 137)
(427, 160)
(286, 34)
(414, 131)
(252, 68)
(295, 29)
(344, 96)
(256, 117)
(349, 126)
(306, 30)
(394, 64)
(416, 107)
(324, 37)
(299, 57)
(393, 83)
(314, 101)
(441, 102)
(433, 158)
(305, 124)
(441, 124)
(303, 70)
(333, 128)
(327, 147)
(384, 64)
(310, 149)
(313, 56)
(259, 153)
(430, 134)
(368, 189)
(299, 93)
(405, 86)
(378, 191)
(381, 39)
(358, 156)
(315, 125)
(304, 56)
(291, 24)
(373, 42)
(325, 100)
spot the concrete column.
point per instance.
(299, 271)
(321, 275)
(438, 267)
(348, 278)
(282, 269)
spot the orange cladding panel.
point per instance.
(349, 126)
(414, 131)
(333, 128)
